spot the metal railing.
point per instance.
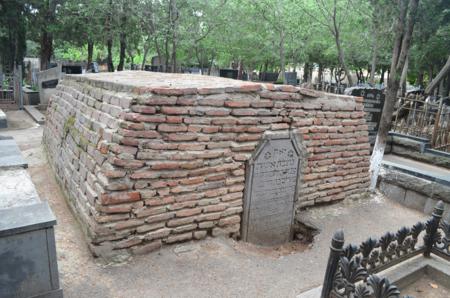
(7, 88)
(421, 118)
(351, 269)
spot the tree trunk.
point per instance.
(144, 58)
(46, 40)
(310, 72)
(441, 75)
(109, 58)
(210, 64)
(430, 74)
(448, 84)
(383, 71)
(420, 78)
(400, 51)
(282, 57)
(403, 78)
(320, 73)
(109, 41)
(90, 48)
(174, 24)
(340, 50)
(46, 49)
(122, 46)
(342, 60)
(240, 70)
(305, 72)
(373, 65)
(158, 51)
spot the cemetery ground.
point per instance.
(216, 267)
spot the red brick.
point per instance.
(229, 220)
(218, 112)
(237, 103)
(172, 91)
(210, 129)
(144, 109)
(186, 101)
(150, 119)
(188, 212)
(148, 134)
(175, 110)
(172, 127)
(132, 125)
(182, 137)
(145, 175)
(174, 119)
(128, 164)
(244, 112)
(119, 197)
(161, 101)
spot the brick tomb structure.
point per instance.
(148, 159)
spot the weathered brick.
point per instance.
(119, 197)
(179, 237)
(158, 234)
(188, 212)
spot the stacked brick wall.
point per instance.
(147, 166)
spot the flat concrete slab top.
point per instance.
(16, 188)
(164, 80)
(35, 114)
(26, 218)
(10, 155)
(421, 168)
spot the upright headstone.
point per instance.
(291, 78)
(373, 106)
(270, 190)
(228, 73)
(268, 76)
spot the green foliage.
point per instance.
(265, 35)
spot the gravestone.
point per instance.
(72, 69)
(373, 107)
(228, 73)
(268, 76)
(270, 190)
(291, 78)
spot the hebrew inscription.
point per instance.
(270, 193)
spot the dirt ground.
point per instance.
(426, 287)
(210, 268)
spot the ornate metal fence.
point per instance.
(421, 118)
(6, 88)
(351, 269)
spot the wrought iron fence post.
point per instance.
(432, 225)
(333, 261)
(436, 124)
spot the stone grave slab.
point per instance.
(16, 188)
(3, 120)
(27, 252)
(10, 155)
(271, 188)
